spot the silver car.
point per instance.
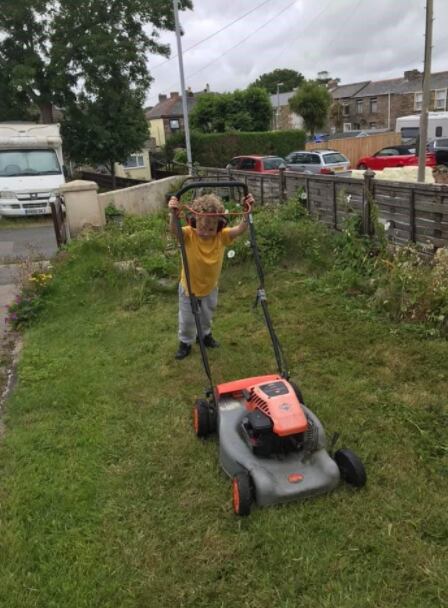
(326, 162)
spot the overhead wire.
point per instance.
(193, 46)
(190, 76)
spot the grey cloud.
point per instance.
(351, 39)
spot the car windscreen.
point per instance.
(442, 142)
(272, 163)
(28, 162)
(334, 157)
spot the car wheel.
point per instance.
(350, 467)
(242, 494)
(203, 422)
(362, 167)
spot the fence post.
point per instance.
(282, 184)
(367, 199)
(412, 217)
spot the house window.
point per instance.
(347, 126)
(357, 126)
(418, 97)
(439, 131)
(135, 161)
(372, 125)
(373, 105)
(440, 99)
(174, 124)
(359, 106)
(345, 107)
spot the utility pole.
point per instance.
(423, 131)
(182, 87)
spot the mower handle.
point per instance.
(211, 184)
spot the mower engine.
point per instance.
(276, 422)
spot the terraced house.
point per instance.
(377, 104)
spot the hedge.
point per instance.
(216, 149)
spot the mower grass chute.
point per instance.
(271, 445)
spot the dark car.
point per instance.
(257, 164)
(394, 156)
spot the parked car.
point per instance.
(326, 162)
(394, 156)
(257, 164)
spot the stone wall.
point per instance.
(142, 199)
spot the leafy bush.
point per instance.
(28, 306)
(216, 149)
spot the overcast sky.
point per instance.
(354, 40)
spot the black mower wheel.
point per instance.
(351, 468)
(297, 391)
(242, 494)
(201, 418)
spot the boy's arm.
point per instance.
(242, 226)
(173, 205)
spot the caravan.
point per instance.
(31, 168)
(409, 126)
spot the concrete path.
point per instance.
(17, 244)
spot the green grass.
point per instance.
(24, 222)
(109, 500)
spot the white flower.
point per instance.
(247, 243)
(303, 196)
(387, 226)
(231, 253)
(349, 198)
(226, 211)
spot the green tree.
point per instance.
(312, 102)
(248, 110)
(289, 79)
(89, 57)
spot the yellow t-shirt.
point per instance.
(205, 257)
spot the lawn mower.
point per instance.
(271, 445)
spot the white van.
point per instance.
(31, 168)
(409, 126)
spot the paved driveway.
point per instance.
(16, 244)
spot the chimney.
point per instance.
(162, 98)
(174, 95)
(207, 88)
(189, 92)
(413, 75)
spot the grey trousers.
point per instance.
(187, 325)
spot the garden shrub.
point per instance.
(216, 149)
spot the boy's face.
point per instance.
(206, 227)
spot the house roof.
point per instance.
(410, 82)
(348, 90)
(171, 107)
(283, 98)
(404, 85)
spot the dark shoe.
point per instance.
(183, 351)
(210, 341)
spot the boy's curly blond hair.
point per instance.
(208, 203)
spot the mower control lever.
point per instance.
(207, 184)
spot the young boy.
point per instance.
(204, 245)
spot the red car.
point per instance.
(257, 164)
(394, 156)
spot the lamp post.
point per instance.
(182, 85)
(277, 116)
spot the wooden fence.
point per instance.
(356, 147)
(104, 180)
(413, 212)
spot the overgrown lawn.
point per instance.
(109, 500)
